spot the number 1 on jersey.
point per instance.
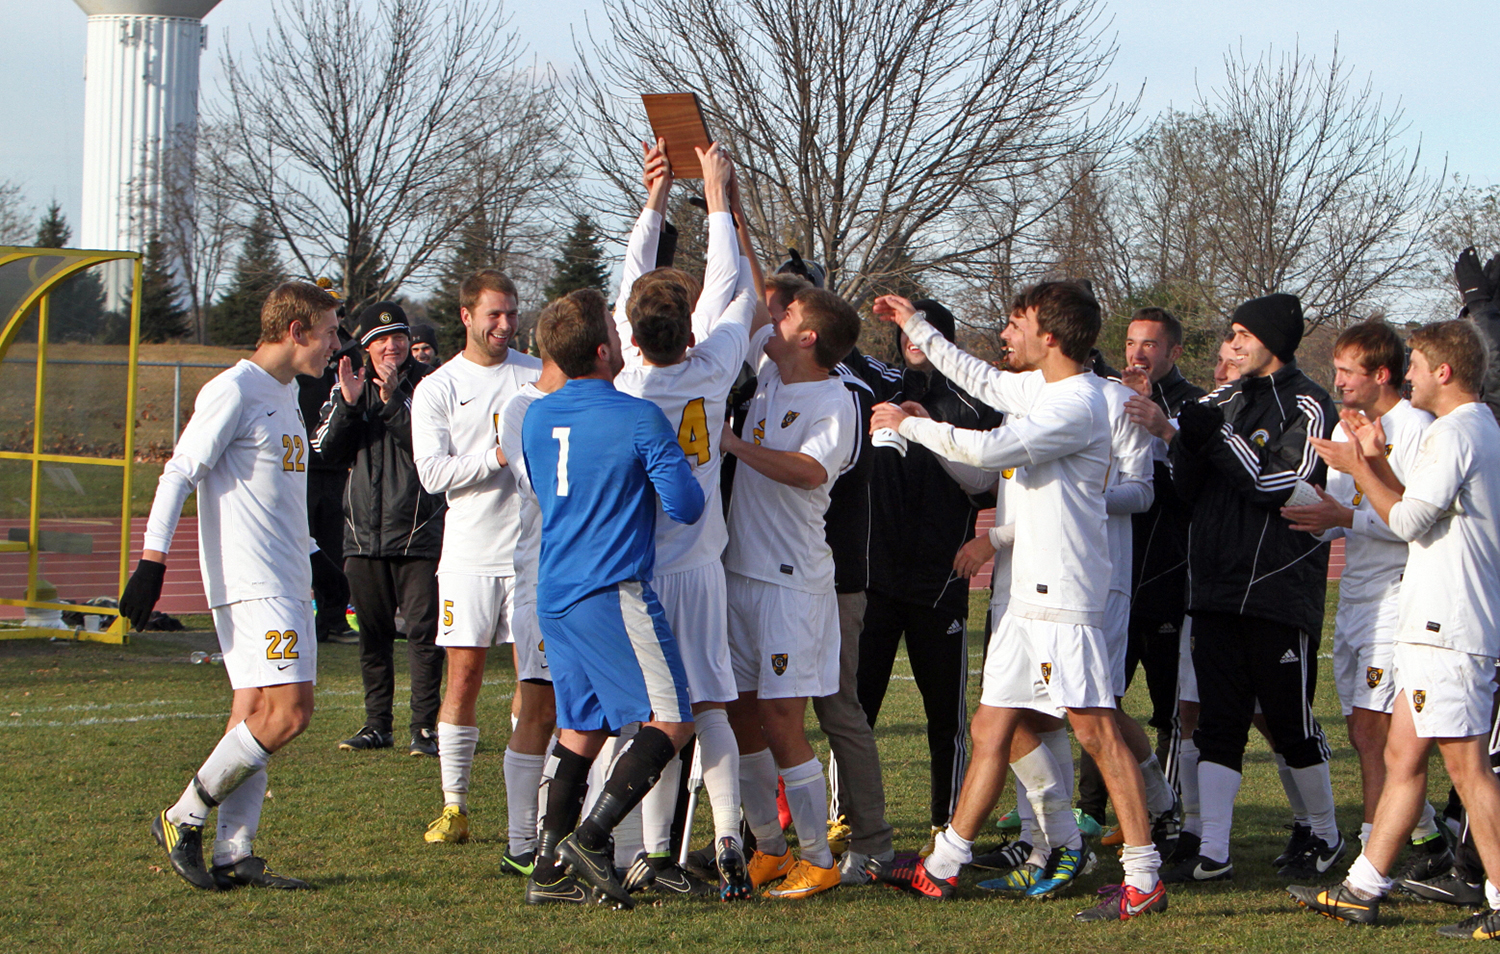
(692, 433)
(560, 434)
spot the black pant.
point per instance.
(377, 587)
(1239, 659)
(1154, 644)
(325, 520)
(938, 647)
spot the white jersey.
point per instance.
(529, 545)
(1130, 488)
(245, 449)
(720, 274)
(1374, 557)
(775, 530)
(455, 428)
(693, 394)
(1448, 596)
(1059, 434)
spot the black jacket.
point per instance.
(846, 525)
(1243, 556)
(919, 516)
(1159, 564)
(386, 511)
(1486, 316)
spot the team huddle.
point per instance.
(661, 545)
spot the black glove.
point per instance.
(330, 586)
(1197, 423)
(1492, 273)
(1474, 285)
(142, 592)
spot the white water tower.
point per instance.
(140, 97)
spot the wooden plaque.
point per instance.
(677, 118)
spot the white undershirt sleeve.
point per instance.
(439, 470)
(1412, 518)
(1002, 537)
(1131, 494)
(1002, 390)
(640, 258)
(972, 480)
(721, 273)
(179, 478)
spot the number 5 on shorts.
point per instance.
(276, 650)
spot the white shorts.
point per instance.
(1187, 676)
(695, 602)
(1117, 637)
(267, 642)
(1449, 692)
(475, 610)
(1046, 666)
(783, 643)
(1363, 636)
(531, 648)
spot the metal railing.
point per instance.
(176, 367)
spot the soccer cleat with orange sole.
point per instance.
(765, 868)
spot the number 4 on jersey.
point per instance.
(692, 433)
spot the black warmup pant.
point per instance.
(377, 587)
(1154, 644)
(1466, 860)
(325, 520)
(938, 647)
(1240, 659)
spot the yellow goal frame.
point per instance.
(47, 269)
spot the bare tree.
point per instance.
(16, 223)
(870, 135)
(1470, 215)
(368, 139)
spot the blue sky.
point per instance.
(1423, 55)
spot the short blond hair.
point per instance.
(289, 302)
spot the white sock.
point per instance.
(1141, 863)
(239, 817)
(1293, 794)
(1048, 797)
(1030, 831)
(1314, 786)
(1491, 895)
(807, 797)
(237, 757)
(659, 807)
(1057, 743)
(628, 835)
(1187, 779)
(949, 853)
(1426, 825)
(758, 794)
(1364, 877)
(1218, 784)
(456, 744)
(1364, 834)
(599, 772)
(1159, 795)
(523, 778)
(719, 758)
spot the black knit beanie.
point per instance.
(1276, 320)
(937, 316)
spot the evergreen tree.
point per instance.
(472, 253)
(582, 262)
(235, 320)
(77, 305)
(162, 314)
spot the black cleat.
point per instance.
(366, 738)
(702, 863)
(1006, 857)
(672, 879)
(1189, 846)
(1427, 860)
(252, 872)
(1315, 861)
(1198, 869)
(423, 742)
(1484, 926)
(1337, 902)
(1295, 845)
(596, 870)
(565, 890)
(1446, 888)
(1166, 828)
(734, 878)
(184, 845)
(523, 864)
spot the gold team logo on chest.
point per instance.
(1260, 437)
(1372, 676)
(1418, 699)
(1047, 673)
(789, 418)
(778, 663)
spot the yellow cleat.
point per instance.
(451, 826)
(931, 845)
(838, 836)
(806, 879)
(766, 868)
(1114, 838)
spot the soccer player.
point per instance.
(245, 451)
(1448, 634)
(689, 379)
(783, 613)
(1369, 363)
(456, 442)
(1049, 652)
(593, 456)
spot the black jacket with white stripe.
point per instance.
(1243, 557)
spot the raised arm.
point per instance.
(1001, 390)
(640, 249)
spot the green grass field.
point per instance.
(95, 739)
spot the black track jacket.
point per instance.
(1159, 571)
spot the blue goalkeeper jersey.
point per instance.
(598, 460)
